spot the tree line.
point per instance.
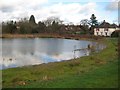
(50, 25)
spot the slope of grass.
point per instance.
(97, 70)
(105, 76)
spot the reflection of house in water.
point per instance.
(105, 29)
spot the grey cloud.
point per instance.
(6, 8)
(53, 12)
(113, 6)
(84, 10)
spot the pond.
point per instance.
(31, 51)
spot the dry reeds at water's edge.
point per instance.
(46, 35)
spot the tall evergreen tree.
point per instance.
(93, 23)
(32, 19)
(93, 20)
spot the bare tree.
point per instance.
(85, 25)
(84, 22)
(50, 20)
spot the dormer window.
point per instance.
(106, 29)
(97, 29)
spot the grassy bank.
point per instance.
(99, 70)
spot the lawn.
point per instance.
(99, 70)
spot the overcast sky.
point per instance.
(67, 10)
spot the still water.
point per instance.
(31, 51)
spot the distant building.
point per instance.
(71, 28)
(18, 27)
(105, 29)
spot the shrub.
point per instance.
(115, 33)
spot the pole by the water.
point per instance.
(74, 51)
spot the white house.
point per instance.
(105, 29)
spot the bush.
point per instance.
(115, 33)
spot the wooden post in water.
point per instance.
(74, 51)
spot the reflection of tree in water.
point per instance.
(96, 47)
(89, 48)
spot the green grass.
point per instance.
(105, 76)
(99, 70)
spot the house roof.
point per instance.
(106, 25)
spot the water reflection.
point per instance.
(20, 52)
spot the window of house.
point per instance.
(106, 29)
